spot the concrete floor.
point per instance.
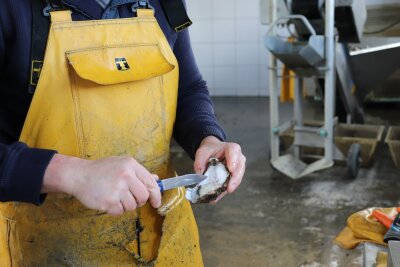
(274, 221)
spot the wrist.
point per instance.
(57, 176)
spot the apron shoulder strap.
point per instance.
(40, 32)
(61, 16)
(176, 14)
(142, 13)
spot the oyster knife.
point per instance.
(184, 180)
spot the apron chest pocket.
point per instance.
(113, 65)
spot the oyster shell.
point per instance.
(214, 185)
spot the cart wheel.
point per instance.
(354, 160)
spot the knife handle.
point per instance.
(160, 185)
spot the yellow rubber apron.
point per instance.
(107, 88)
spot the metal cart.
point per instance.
(313, 57)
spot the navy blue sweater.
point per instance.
(22, 168)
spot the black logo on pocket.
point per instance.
(122, 64)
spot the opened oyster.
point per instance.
(214, 185)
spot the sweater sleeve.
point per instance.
(21, 172)
(21, 168)
(2, 49)
(195, 117)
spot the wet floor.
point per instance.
(274, 221)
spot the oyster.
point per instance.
(214, 185)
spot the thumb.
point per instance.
(202, 157)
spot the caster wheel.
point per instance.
(354, 160)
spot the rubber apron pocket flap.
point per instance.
(113, 65)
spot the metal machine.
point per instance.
(312, 50)
(350, 17)
(367, 77)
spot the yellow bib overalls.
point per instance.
(107, 88)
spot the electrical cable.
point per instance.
(384, 28)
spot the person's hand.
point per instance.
(231, 152)
(114, 185)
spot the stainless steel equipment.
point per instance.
(312, 53)
(372, 66)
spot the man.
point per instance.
(108, 102)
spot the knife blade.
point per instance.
(184, 180)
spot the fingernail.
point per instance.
(158, 204)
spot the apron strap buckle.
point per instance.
(52, 5)
(141, 4)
